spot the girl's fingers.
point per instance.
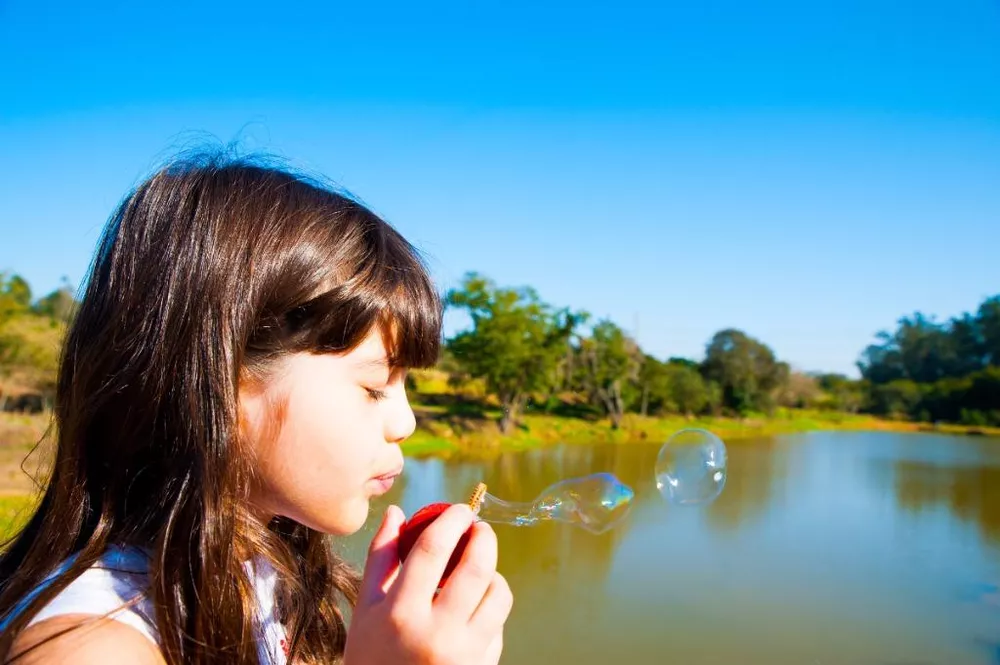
(382, 563)
(472, 576)
(425, 564)
(497, 602)
(494, 650)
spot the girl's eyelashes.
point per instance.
(375, 394)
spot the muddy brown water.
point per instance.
(823, 549)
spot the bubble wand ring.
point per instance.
(476, 500)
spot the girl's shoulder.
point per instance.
(60, 639)
(114, 586)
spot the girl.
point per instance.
(232, 390)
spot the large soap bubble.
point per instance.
(597, 503)
(691, 467)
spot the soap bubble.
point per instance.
(691, 467)
(597, 503)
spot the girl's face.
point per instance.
(325, 434)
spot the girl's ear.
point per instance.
(250, 401)
(260, 410)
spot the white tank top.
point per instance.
(120, 577)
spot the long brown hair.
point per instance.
(208, 273)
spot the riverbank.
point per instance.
(447, 435)
(451, 430)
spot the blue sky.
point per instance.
(808, 172)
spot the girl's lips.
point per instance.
(383, 483)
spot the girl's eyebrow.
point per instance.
(374, 363)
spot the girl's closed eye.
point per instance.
(375, 394)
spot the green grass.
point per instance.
(14, 512)
(444, 433)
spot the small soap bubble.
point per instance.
(691, 467)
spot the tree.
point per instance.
(649, 389)
(714, 397)
(15, 294)
(610, 360)
(988, 321)
(687, 389)
(59, 305)
(800, 391)
(29, 350)
(898, 399)
(841, 393)
(928, 370)
(745, 369)
(924, 351)
(515, 343)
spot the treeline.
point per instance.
(523, 351)
(938, 371)
(31, 332)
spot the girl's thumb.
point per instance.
(382, 564)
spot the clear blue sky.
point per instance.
(808, 172)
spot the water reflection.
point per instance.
(971, 494)
(824, 548)
(753, 467)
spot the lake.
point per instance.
(827, 548)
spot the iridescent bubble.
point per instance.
(597, 503)
(691, 467)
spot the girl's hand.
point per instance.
(398, 619)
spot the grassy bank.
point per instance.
(445, 434)
(459, 427)
(14, 510)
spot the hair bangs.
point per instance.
(411, 324)
(411, 311)
(391, 290)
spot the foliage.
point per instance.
(520, 350)
(515, 343)
(15, 295)
(933, 371)
(924, 351)
(610, 360)
(31, 334)
(687, 391)
(800, 391)
(746, 370)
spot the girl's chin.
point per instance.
(350, 521)
(345, 522)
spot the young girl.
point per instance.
(231, 391)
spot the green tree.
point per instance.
(841, 393)
(611, 359)
(515, 343)
(714, 397)
(29, 350)
(927, 370)
(15, 294)
(899, 398)
(687, 390)
(746, 370)
(800, 391)
(988, 324)
(59, 305)
(648, 392)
